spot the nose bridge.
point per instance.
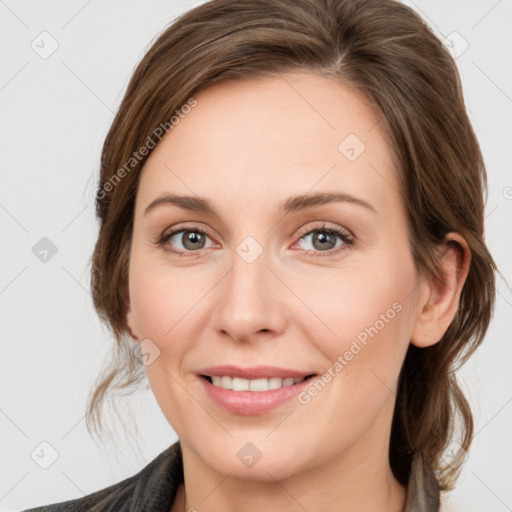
(247, 302)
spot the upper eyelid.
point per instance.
(325, 225)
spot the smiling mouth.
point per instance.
(257, 385)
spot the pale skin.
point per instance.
(247, 147)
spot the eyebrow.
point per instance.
(292, 204)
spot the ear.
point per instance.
(439, 297)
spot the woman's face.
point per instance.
(263, 288)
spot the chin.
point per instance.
(257, 460)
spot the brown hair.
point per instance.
(384, 50)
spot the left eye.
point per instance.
(324, 240)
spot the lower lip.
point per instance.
(251, 403)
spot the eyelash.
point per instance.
(348, 241)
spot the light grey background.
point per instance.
(55, 113)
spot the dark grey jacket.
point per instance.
(153, 490)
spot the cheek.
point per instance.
(166, 306)
(364, 313)
(371, 317)
(167, 303)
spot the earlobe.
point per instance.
(439, 297)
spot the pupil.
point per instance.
(193, 238)
(323, 237)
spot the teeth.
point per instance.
(239, 384)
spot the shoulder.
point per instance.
(153, 487)
(109, 496)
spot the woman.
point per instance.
(296, 376)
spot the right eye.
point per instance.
(192, 240)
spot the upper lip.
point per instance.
(254, 372)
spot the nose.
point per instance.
(250, 301)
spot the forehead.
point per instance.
(276, 136)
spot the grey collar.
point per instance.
(422, 490)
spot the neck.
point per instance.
(379, 494)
